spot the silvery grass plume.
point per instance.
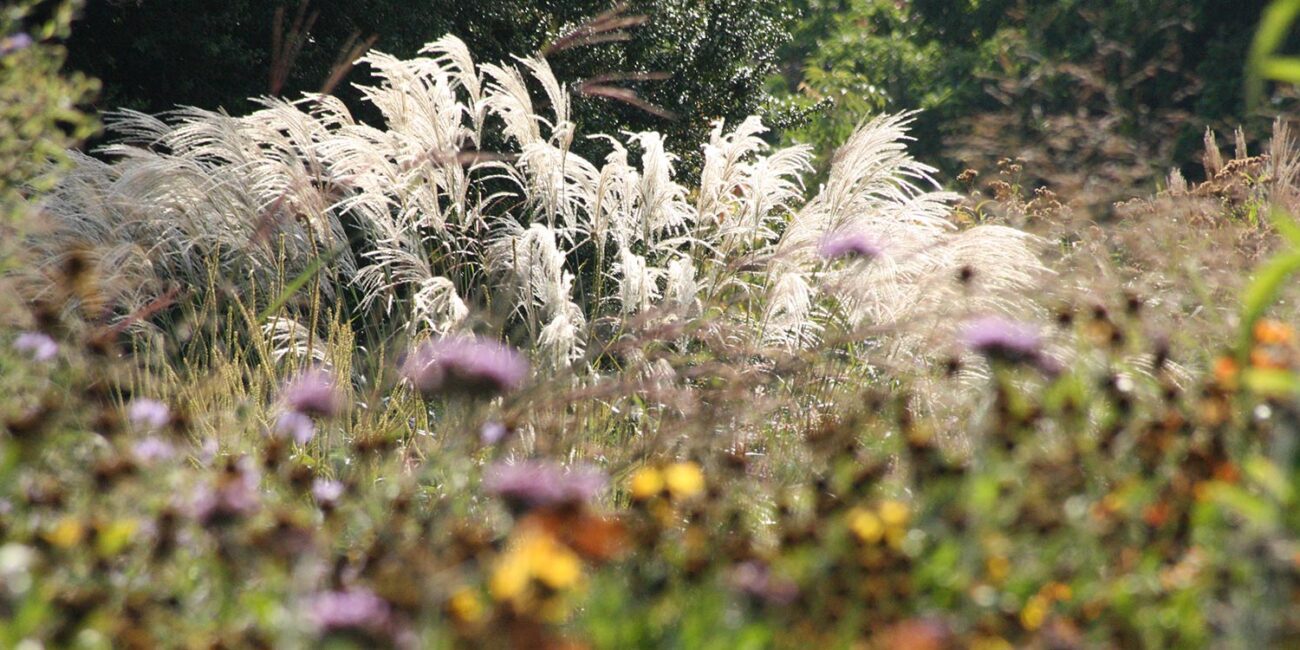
(430, 227)
(915, 270)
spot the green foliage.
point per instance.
(1266, 62)
(1149, 62)
(40, 116)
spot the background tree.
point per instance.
(1158, 71)
(694, 60)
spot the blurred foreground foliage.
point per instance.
(41, 113)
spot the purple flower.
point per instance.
(493, 432)
(350, 611)
(326, 492)
(466, 366)
(851, 245)
(1003, 339)
(153, 449)
(232, 495)
(148, 414)
(755, 579)
(315, 393)
(40, 346)
(295, 425)
(537, 483)
(19, 41)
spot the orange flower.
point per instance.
(1272, 332)
(1225, 371)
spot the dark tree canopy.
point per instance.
(155, 54)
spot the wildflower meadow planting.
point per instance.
(693, 324)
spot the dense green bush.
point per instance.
(1164, 68)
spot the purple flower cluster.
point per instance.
(354, 610)
(465, 366)
(849, 245)
(153, 449)
(314, 393)
(148, 414)
(19, 41)
(1002, 339)
(540, 484)
(234, 494)
(40, 346)
(293, 424)
(326, 492)
(493, 432)
(756, 580)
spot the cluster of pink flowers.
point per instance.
(538, 483)
(313, 394)
(469, 367)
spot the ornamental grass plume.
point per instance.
(528, 225)
(463, 366)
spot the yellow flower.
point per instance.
(866, 525)
(554, 565)
(1034, 613)
(998, 568)
(67, 533)
(510, 578)
(534, 556)
(684, 480)
(646, 483)
(894, 514)
(1058, 591)
(991, 643)
(465, 606)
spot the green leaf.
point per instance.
(1273, 29)
(1251, 508)
(1285, 226)
(1271, 382)
(1280, 68)
(1269, 477)
(298, 283)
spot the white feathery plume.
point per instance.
(638, 283)
(438, 307)
(682, 290)
(264, 194)
(288, 337)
